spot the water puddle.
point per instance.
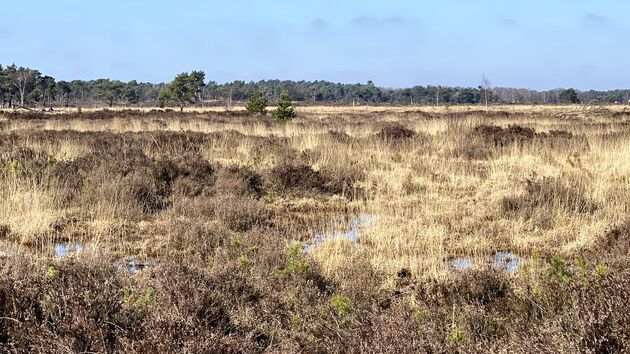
(132, 265)
(500, 260)
(460, 263)
(508, 261)
(65, 249)
(342, 229)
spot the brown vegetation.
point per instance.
(356, 231)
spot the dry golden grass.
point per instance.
(187, 230)
(28, 209)
(430, 205)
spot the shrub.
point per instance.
(395, 132)
(241, 213)
(499, 137)
(552, 194)
(341, 304)
(239, 180)
(339, 136)
(295, 263)
(5, 230)
(300, 177)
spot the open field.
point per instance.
(376, 229)
(348, 108)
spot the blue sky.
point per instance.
(538, 44)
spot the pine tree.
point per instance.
(257, 104)
(285, 111)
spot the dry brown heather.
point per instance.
(215, 207)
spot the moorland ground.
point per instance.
(376, 229)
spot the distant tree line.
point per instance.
(28, 88)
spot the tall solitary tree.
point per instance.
(183, 89)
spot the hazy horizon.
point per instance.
(534, 45)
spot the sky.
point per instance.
(537, 44)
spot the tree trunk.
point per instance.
(22, 92)
(485, 94)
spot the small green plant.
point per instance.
(397, 158)
(422, 315)
(257, 103)
(559, 268)
(582, 269)
(600, 270)
(341, 304)
(295, 264)
(52, 273)
(140, 303)
(455, 334)
(10, 167)
(245, 262)
(582, 263)
(257, 160)
(285, 111)
(269, 197)
(283, 273)
(537, 290)
(147, 300)
(127, 292)
(296, 319)
(294, 250)
(51, 160)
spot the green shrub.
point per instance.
(257, 103)
(285, 110)
(559, 268)
(245, 262)
(456, 335)
(52, 272)
(294, 262)
(341, 304)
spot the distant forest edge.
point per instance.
(28, 88)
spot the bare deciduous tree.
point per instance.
(22, 79)
(485, 88)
